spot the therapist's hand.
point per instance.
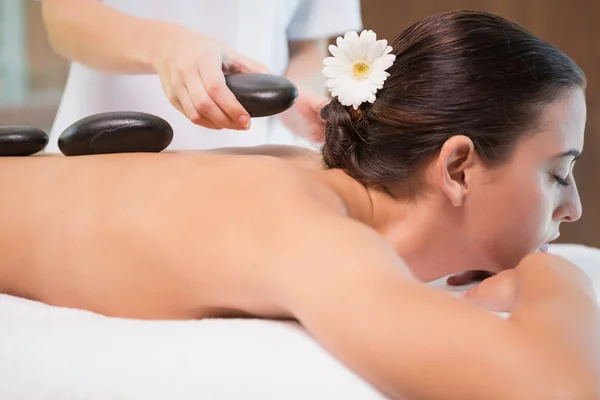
(304, 118)
(191, 67)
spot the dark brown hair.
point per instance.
(462, 72)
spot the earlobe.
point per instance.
(456, 157)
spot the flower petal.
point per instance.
(376, 50)
(384, 62)
(377, 78)
(334, 67)
(339, 54)
(351, 95)
(338, 69)
(366, 40)
(335, 62)
(350, 46)
(339, 78)
(334, 84)
(328, 73)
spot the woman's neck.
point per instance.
(354, 195)
(425, 232)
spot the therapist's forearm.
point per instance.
(102, 38)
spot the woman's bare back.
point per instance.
(152, 235)
(200, 235)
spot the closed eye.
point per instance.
(561, 181)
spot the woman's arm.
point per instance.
(415, 342)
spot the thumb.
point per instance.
(497, 294)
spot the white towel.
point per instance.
(54, 353)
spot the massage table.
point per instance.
(49, 353)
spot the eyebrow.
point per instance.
(571, 153)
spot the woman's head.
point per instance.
(474, 110)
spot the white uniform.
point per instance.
(258, 29)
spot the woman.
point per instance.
(460, 158)
(167, 58)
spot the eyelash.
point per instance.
(561, 181)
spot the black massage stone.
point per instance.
(116, 132)
(262, 95)
(20, 141)
(135, 132)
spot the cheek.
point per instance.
(514, 218)
(529, 214)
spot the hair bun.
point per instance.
(344, 135)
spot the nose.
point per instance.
(570, 209)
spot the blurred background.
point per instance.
(32, 76)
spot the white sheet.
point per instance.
(53, 353)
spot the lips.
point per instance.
(544, 247)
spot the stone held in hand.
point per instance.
(262, 95)
(21, 141)
(116, 132)
(134, 132)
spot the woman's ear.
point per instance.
(456, 158)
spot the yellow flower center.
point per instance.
(361, 70)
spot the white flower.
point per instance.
(358, 67)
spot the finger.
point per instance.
(489, 303)
(190, 111)
(467, 277)
(177, 94)
(497, 293)
(164, 75)
(229, 107)
(206, 109)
